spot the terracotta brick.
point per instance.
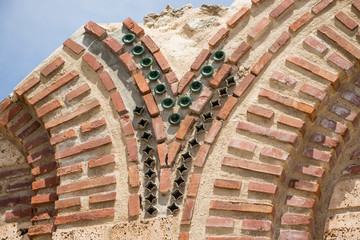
(243, 85)
(73, 46)
(304, 185)
(201, 155)
(193, 185)
(256, 225)
(165, 180)
(356, 4)
(18, 214)
(260, 111)
(159, 130)
(46, 215)
(257, 2)
(107, 81)
(264, 168)
(351, 97)
(223, 72)
(29, 130)
(259, 29)
(187, 212)
(4, 105)
(200, 103)
(36, 141)
(300, 202)
(339, 61)
(21, 90)
(20, 122)
(67, 203)
(218, 222)
(162, 62)
(162, 153)
(239, 52)
(289, 102)
(184, 81)
(261, 63)
(74, 168)
(262, 188)
(84, 216)
(36, 230)
(247, 207)
(263, 131)
(174, 149)
(340, 41)
(183, 236)
(173, 82)
(45, 183)
(132, 150)
(102, 197)
(53, 87)
(301, 21)
(351, 170)
(52, 67)
(134, 205)
(126, 125)
(14, 173)
(295, 219)
(43, 169)
(292, 122)
(334, 126)
(227, 108)
(141, 83)
(89, 126)
(113, 45)
(48, 108)
(133, 27)
(281, 8)
(92, 62)
(10, 202)
(86, 184)
(43, 153)
(280, 42)
(95, 30)
(283, 78)
(185, 127)
(118, 102)
(151, 105)
(242, 145)
(213, 132)
(134, 177)
(227, 183)
(78, 92)
(218, 37)
(101, 161)
(44, 198)
(14, 110)
(128, 62)
(321, 6)
(62, 137)
(324, 140)
(238, 16)
(18, 186)
(317, 154)
(310, 170)
(150, 44)
(315, 44)
(275, 153)
(314, 92)
(200, 59)
(83, 147)
(293, 234)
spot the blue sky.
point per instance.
(31, 30)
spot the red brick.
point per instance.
(242, 145)
(185, 127)
(260, 111)
(40, 229)
(310, 170)
(141, 83)
(340, 41)
(159, 130)
(174, 149)
(165, 180)
(193, 185)
(4, 104)
(133, 27)
(44, 198)
(86, 184)
(53, 87)
(14, 173)
(36, 141)
(257, 2)
(184, 81)
(218, 37)
(126, 125)
(200, 59)
(150, 44)
(92, 62)
(52, 67)
(220, 75)
(198, 106)
(226, 109)
(314, 92)
(263, 131)
(22, 89)
(259, 29)
(324, 140)
(351, 170)
(20, 122)
(301, 21)
(218, 222)
(340, 61)
(351, 97)
(162, 153)
(162, 62)
(134, 177)
(247, 207)
(300, 202)
(317, 154)
(74, 168)
(201, 155)
(151, 105)
(118, 102)
(73, 46)
(10, 114)
(334, 126)
(356, 4)
(304, 185)
(292, 122)
(89, 126)
(321, 6)
(289, 102)
(134, 205)
(315, 44)
(95, 30)
(280, 42)
(239, 52)
(187, 212)
(281, 8)
(101, 161)
(45, 183)
(10, 202)
(238, 16)
(17, 214)
(107, 81)
(264, 168)
(128, 62)
(275, 153)
(62, 137)
(43, 153)
(43, 169)
(173, 82)
(18, 186)
(227, 183)
(46, 215)
(78, 92)
(183, 236)
(262, 188)
(84, 216)
(114, 45)
(48, 108)
(243, 85)
(29, 130)
(256, 225)
(132, 150)
(213, 131)
(261, 63)
(83, 147)
(295, 219)
(102, 197)
(67, 203)
(293, 234)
